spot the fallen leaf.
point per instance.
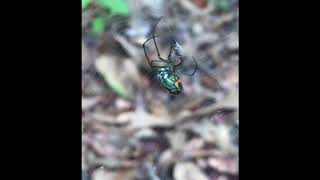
(122, 104)
(131, 70)
(218, 134)
(201, 3)
(113, 75)
(120, 119)
(100, 174)
(84, 55)
(167, 157)
(142, 119)
(224, 164)
(230, 101)
(87, 103)
(194, 144)
(230, 78)
(177, 139)
(188, 171)
(145, 133)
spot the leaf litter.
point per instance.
(132, 129)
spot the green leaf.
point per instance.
(84, 3)
(117, 7)
(98, 25)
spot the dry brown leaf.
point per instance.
(142, 119)
(201, 3)
(87, 103)
(224, 165)
(188, 171)
(84, 55)
(122, 104)
(177, 140)
(230, 101)
(101, 174)
(167, 157)
(218, 134)
(194, 144)
(230, 79)
(102, 117)
(112, 71)
(145, 133)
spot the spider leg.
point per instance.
(153, 36)
(144, 49)
(169, 55)
(194, 70)
(145, 52)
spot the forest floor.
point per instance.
(134, 129)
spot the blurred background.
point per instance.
(132, 129)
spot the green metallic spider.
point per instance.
(167, 73)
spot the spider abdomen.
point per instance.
(169, 80)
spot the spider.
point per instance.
(167, 74)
